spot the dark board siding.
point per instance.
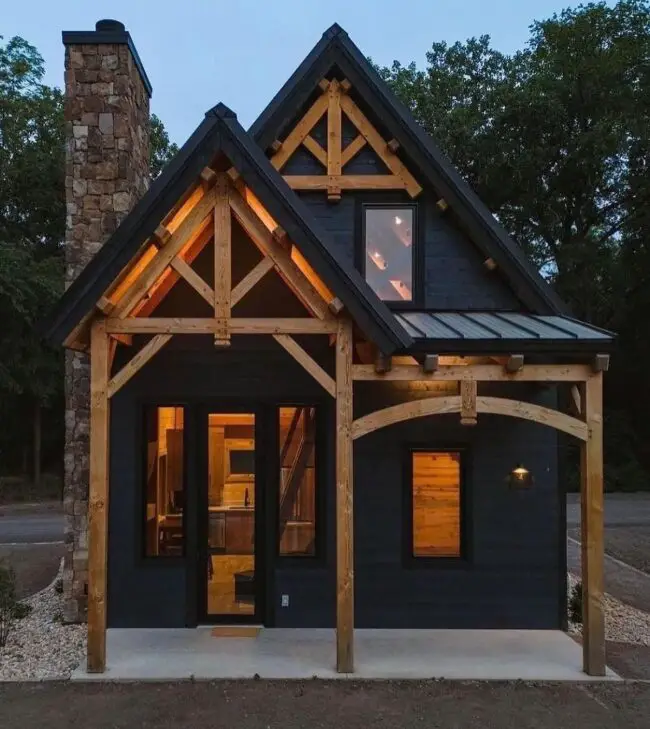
(515, 572)
(158, 593)
(455, 277)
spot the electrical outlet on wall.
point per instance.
(285, 600)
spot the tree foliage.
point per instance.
(555, 139)
(32, 231)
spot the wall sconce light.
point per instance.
(520, 478)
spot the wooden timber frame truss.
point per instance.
(333, 102)
(126, 308)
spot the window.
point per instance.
(164, 482)
(388, 234)
(435, 508)
(297, 493)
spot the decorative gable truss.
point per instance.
(167, 257)
(333, 102)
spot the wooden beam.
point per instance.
(312, 145)
(249, 280)
(222, 264)
(393, 145)
(383, 363)
(264, 240)
(336, 306)
(355, 146)
(161, 236)
(345, 86)
(98, 497)
(453, 403)
(514, 363)
(468, 402)
(431, 363)
(309, 364)
(164, 325)
(208, 178)
(345, 182)
(344, 501)
(600, 363)
(592, 544)
(106, 306)
(324, 84)
(193, 279)
(138, 360)
(376, 141)
(334, 138)
(300, 131)
(191, 228)
(479, 372)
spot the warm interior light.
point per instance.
(378, 260)
(402, 289)
(398, 220)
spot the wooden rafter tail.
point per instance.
(336, 306)
(307, 362)
(105, 306)
(208, 178)
(161, 236)
(222, 264)
(514, 363)
(430, 363)
(442, 205)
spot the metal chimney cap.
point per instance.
(108, 25)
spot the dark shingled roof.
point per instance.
(221, 132)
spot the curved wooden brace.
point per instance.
(452, 404)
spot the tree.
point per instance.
(555, 139)
(32, 229)
(161, 149)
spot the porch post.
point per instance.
(344, 493)
(98, 497)
(591, 495)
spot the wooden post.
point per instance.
(222, 265)
(334, 139)
(591, 496)
(344, 509)
(98, 497)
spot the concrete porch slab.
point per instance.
(157, 655)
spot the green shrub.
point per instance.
(575, 604)
(7, 602)
(21, 610)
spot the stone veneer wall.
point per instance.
(107, 170)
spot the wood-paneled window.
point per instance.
(164, 481)
(435, 504)
(297, 507)
(388, 257)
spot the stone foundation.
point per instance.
(107, 170)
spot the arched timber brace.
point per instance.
(333, 102)
(454, 404)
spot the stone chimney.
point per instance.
(107, 169)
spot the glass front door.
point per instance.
(231, 571)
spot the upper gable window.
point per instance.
(388, 240)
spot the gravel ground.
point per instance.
(623, 623)
(35, 565)
(40, 646)
(325, 705)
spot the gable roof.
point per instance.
(221, 132)
(335, 49)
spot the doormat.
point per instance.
(235, 631)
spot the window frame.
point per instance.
(141, 443)
(321, 446)
(464, 559)
(417, 259)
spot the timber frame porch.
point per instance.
(125, 310)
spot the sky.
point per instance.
(199, 52)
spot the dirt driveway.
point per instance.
(321, 705)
